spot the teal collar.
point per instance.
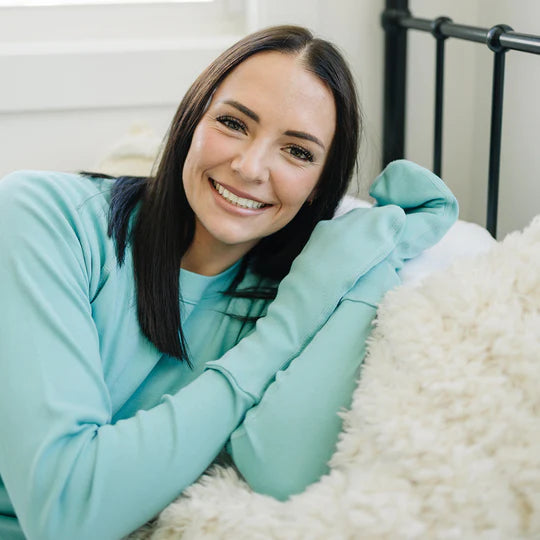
(194, 287)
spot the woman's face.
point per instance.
(257, 153)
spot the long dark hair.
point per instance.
(164, 225)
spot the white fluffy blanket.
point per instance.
(443, 437)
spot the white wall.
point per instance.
(74, 79)
(467, 111)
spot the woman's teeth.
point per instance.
(234, 199)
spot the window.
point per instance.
(34, 3)
(54, 21)
(103, 53)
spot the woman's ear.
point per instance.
(312, 196)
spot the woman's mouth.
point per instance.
(241, 202)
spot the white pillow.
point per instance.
(133, 155)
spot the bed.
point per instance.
(442, 439)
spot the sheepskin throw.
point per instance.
(443, 437)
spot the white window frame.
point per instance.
(119, 57)
(69, 3)
(98, 56)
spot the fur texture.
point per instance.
(443, 437)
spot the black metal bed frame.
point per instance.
(396, 21)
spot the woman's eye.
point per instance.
(300, 153)
(232, 123)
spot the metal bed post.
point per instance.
(496, 124)
(394, 80)
(439, 93)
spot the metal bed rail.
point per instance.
(396, 21)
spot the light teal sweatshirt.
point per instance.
(99, 431)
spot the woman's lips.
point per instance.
(237, 192)
(237, 198)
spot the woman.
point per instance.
(114, 395)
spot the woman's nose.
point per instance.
(252, 163)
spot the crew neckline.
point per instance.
(195, 287)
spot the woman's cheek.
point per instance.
(299, 188)
(206, 140)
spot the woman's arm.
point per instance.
(69, 472)
(286, 441)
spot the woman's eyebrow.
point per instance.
(243, 109)
(304, 135)
(254, 116)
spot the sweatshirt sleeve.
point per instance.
(430, 207)
(285, 442)
(71, 473)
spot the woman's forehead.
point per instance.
(276, 85)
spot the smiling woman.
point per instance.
(251, 165)
(129, 353)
